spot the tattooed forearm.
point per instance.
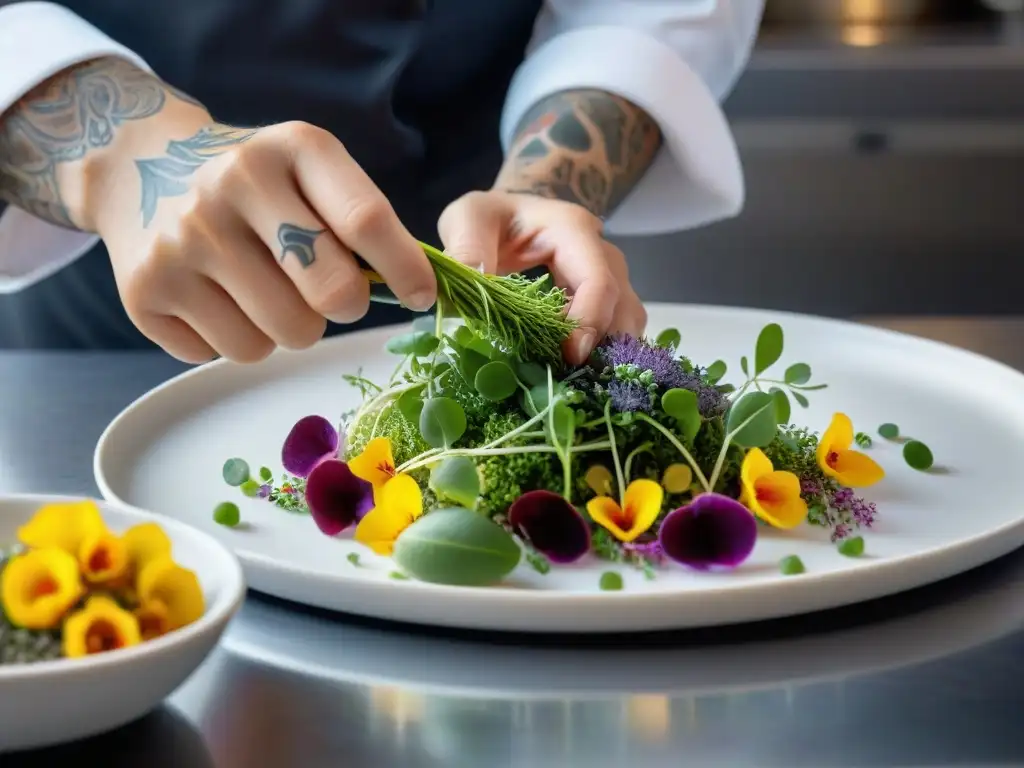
(298, 241)
(587, 147)
(62, 120)
(168, 175)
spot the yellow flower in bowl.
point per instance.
(164, 586)
(100, 626)
(39, 586)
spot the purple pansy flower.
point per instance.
(311, 440)
(551, 525)
(713, 531)
(336, 498)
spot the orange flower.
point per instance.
(177, 589)
(154, 619)
(102, 625)
(39, 586)
(640, 506)
(851, 468)
(103, 558)
(375, 465)
(64, 526)
(772, 495)
(399, 504)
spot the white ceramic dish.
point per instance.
(53, 702)
(969, 409)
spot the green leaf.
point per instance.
(425, 323)
(751, 420)
(418, 343)
(669, 338)
(782, 407)
(250, 488)
(681, 405)
(410, 405)
(496, 381)
(716, 371)
(456, 546)
(539, 398)
(889, 431)
(768, 349)
(227, 514)
(813, 387)
(235, 471)
(469, 340)
(456, 479)
(800, 399)
(797, 373)
(791, 565)
(918, 455)
(743, 366)
(266, 475)
(611, 581)
(469, 362)
(353, 557)
(725, 389)
(563, 419)
(532, 374)
(853, 547)
(442, 422)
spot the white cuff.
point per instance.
(38, 40)
(696, 178)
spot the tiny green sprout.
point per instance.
(791, 565)
(353, 557)
(889, 431)
(611, 581)
(226, 513)
(918, 455)
(398, 576)
(266, 475)
(538, 562)
(863, 439)
(250, 488)
(852, 547)
(235, 471)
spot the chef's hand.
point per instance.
(232, 242)
(512, 232)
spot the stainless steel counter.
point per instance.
(931, 678)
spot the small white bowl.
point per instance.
(53, 702)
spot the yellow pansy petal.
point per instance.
(606, 512)
(776, 499)
(102, 625)
(599, 479)
(63, 525)
(38, 587)
(379, 529)
(838, 437)
(677, 478)
(376, 464)
(103, 558)
(402, 495)
(642, 504)
(755, 465)
(856, 470)
(145, 542)
(176, 587)
(154, 619)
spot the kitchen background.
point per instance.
(883, 145)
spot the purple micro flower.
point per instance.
(711, 532)
(551, 525)
(811, 486)
(863, 512)
(311, 440)
(649, 550)
(628, 396)
(263, 492)
(336, 498)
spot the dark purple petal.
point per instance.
(336, 498)
(712, 531)
(551, 525)
(312, 439)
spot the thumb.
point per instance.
(471, 230)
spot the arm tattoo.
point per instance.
(294, 239)
(168, 176)
(586, 147)
(62, 120)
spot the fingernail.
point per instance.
(420, 301)
(585, 345)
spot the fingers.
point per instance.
(472, 229)
(358, 214)
(177, 339)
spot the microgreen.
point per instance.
(496, 381)
(768, 351)
(235, 471)
(791, 566)
(611, 581)
(716, 371)
(863, 439)
(918, 455)
(457, 479)
(353, 557)
(227, 514)
(669, 338)
(250, 488)
(266, 475)
(415, 343)
(442, 422)
(889, 431)
(852, 547)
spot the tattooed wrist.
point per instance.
(586, 147)
(72, 117)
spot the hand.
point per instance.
(233, 241)
(512, 232)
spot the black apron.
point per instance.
(413, 88)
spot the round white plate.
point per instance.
(165, 453)
(53, 702)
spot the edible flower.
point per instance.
(772, 495)
(551, 525)
(175, 587)
(146, 542)
(63, 525)
(599, 479)
(399, 504)
(39, 587)
(851, 468)
(336, 497)
(103, 558)
(154, 619)
(640, 506)
(376, 464)
(713, 531)
(311, 440)
(100, 626)
(677, 478)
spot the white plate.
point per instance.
(53, 702)
(165, 453)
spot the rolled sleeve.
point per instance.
(676, 61)
(39, 40)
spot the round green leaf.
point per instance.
(496, 381)
(611, 581)
(743, 366)
(442, 422)
(410, 405)
(456, 478)
(235, 471)
(918, 455)
(250, 488)
(456, 546)
(469, 362)
(791, 565)
(716, 371)
(469, 340)
(751, 420)
(768, 349)
(538, 399)
(562, 423)
(265, 474)
(852, 547)
(669, 338)
(418, 343)
(227, 514)
(681, 405)
(800, 399)
(532, 374)
(797, 373)
(426, 323)
(782, 407)
(889, 431)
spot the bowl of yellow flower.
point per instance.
(104, 611)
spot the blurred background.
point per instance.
(883, 145)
